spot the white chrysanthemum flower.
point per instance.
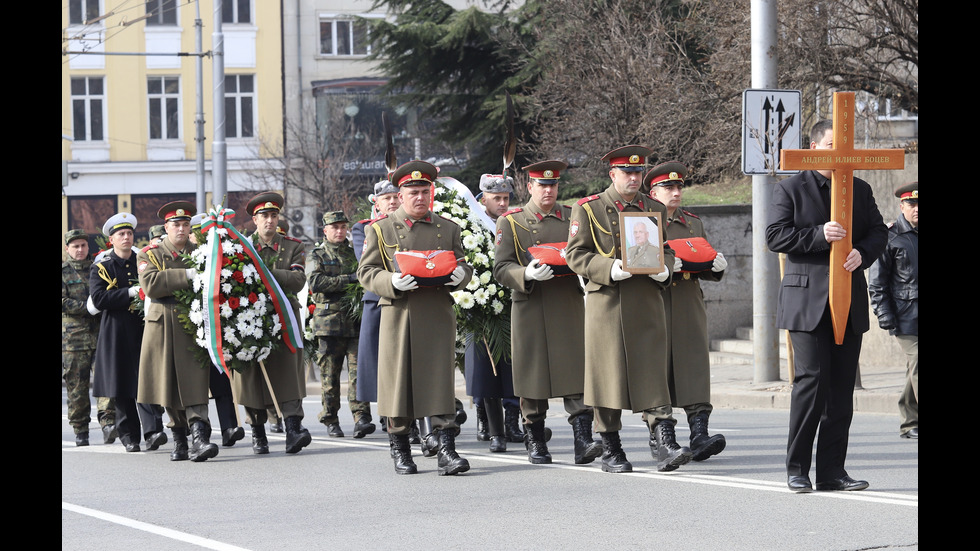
(481, 296)
(250, 273)
(473, 285)
(481, 259)
(470, 241)
(196, 316)
(485, 278)
(225, 310)
(226, 288)
(498, 306)
(465, 300)
(437, 206)
(457, 210)
(492, 289)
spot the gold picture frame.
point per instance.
(647, 256)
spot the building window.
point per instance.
(344, 37)
(161, 12)
(239, 106)
(236, 11)
(163, 94)
(892, 111)
(80, 11)
(88, 108)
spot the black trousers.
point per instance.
(822, 403)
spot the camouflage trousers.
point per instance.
(330, 357)
(76, 370)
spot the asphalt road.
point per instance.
(344, 494)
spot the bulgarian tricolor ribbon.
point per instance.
(217, 218)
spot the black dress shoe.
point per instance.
(842, 484)
(911, 433)
(109, 434)
(155, 440)
(334, 430)
(132, 447)
(232, 435)
(800, 484)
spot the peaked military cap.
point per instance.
(630, 158)
(283, 226)
(262, 202)
(414, 173)
(120, 221)
(666, 174)
(908, 192)
(546, 170)
(177, 210)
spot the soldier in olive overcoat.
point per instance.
(687, 320)
(625, 323)
(547, 315)
(416, 376)
(170, 373)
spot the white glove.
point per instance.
(662, 276)
(617, 273)
(719, 264)
(537, 272)
(457, 276)
(91, 307)
(191, 272)
(403, 283)
(134, 292)
(146, 305)
(678, 264)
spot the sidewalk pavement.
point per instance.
(733, 386)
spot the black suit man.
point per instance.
(823, 389)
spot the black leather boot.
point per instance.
(482, 431)
(231, 435)
(401, 452)
(512, 424)
(297, 437)
(493, 414)
(260, 442)
(81, 438)
(449, 461)
(201, 447)
(613, 456)
(460, 413)
(702, 445)
(666, 451)
(430, 442)
(413, 433)
(363, 426)
(534, 441)
(586, 449)
(180, 452)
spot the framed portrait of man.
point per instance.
(643, 249)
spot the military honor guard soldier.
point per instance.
(418, 324)
(286, 258)
(170, 374)
(625, 320)
(547, 316)
(687, 319)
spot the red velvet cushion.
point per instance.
(696, 253)
(551, 254)
(430, 268)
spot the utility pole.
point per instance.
(199, 114)
(765, 267)
(219, 152)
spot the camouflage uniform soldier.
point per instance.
(333, 266)
(79, 333)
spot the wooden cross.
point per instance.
(842, 160)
